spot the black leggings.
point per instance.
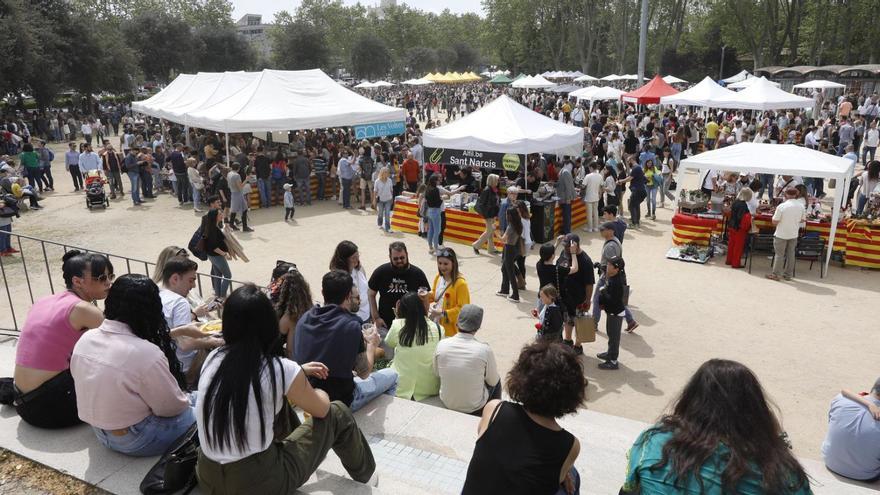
(442, 225)
(52, 405)
(508, 270)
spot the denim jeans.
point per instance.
(157, 179)
(597, 311)
(5, 238)
(379, 382)
(860, 205)
(635, 205)
(346, 193)
(433, 227)
(152, 436)
(383, 214)
(322, 185)
(220, 268)
(183, 189)
(576, 477)
(265, 192)
(652, 200)
(766, 184)
(135, 179)
(304, 190)
(566, 217)
(676, 153)
(868, 150)
(197, 196)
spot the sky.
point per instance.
(268, 8)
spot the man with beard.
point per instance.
(391, 281)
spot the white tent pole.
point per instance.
(227, 149)
(835, 215)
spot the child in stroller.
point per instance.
(95, 194)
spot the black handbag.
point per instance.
(176, 469)
(197, 245)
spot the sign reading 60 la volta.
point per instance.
(368, 131)
(510, 162)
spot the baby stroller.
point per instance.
(95, 194)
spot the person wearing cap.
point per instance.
(466, 367)
(611, 248)
(611, 300)
(852, 445)
(289, 207)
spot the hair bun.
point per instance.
(71, 254)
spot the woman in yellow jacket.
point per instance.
(449, 292)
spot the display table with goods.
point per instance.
(276, 195)
(858, 239)
(465, 226)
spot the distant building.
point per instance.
(860, 79)
(252, 28)
(383, 7)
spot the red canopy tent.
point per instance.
(650, 92)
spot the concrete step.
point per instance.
(420, 449)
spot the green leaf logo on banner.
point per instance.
(510, 162)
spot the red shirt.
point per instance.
(410, 170)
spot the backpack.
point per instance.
(367, 166)
(197, 245)
(11, 209)
(51, 155)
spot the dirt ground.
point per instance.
(21, 476)
(805, 339)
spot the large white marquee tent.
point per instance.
(779, 159)
(534, 82)
(706, 93)
(505, 126)
(765, 95)
(271, 100)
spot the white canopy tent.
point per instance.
(596, 93)
(505, 126)
(673, 80)
(819, 84)
(364, 85)
(746, 83)
(536, 82)
(382, 84)
(706, 93)
(203, 89)
(764, 95)
(741, 76)
(779, 159)
(417, 82)
(610, 77)
(585, 78)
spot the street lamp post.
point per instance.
(721, 69)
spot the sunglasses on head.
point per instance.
(291, 268)
(445, 253)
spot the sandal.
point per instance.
(772, 277)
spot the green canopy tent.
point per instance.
(501, 79)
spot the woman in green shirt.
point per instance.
(414, 339)
(31, 163)
(721, 437)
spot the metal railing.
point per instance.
(40, 275)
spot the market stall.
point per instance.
(777, 159)
(466, 226)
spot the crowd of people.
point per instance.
(142, 371)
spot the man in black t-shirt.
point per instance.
(576, 291)
(391, 281)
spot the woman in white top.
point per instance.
(383, 197)
(869, 181)
(251, 440)
(347, 258)
(196, 181)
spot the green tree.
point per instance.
(164, 44)
(299, 45)
(466, 57)
(223, 49)
(370, 57)
(420, 60)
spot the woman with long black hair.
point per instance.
(218, 251)
(414, 337)
(720, 437)
(129, 384)
(245, 390)
(347, 258)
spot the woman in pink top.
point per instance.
(44, 391)
(129, 385)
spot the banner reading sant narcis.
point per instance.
(510, 162)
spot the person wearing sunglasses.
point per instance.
(448, 293)
(44, 394)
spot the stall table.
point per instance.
(859, 241)
(276, 196)
(465, 227)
